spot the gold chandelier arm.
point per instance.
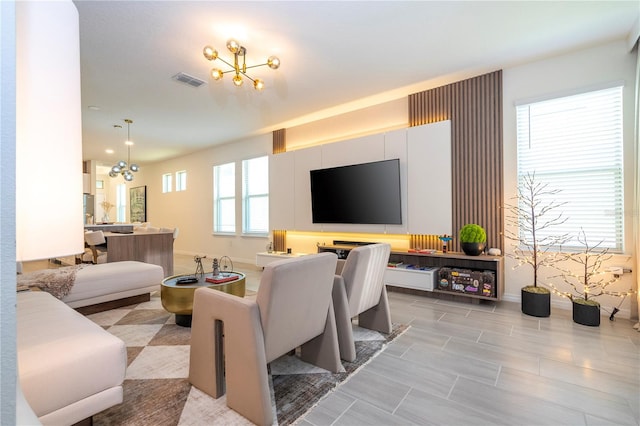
(231, 65)
(235, 63)
(256, 66)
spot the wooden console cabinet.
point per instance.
(428, 269)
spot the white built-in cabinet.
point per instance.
(425, 178)
(281, 190)
(305, 160)
(429, 176)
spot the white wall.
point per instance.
(192, 210)
(558, 76)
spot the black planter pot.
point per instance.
(535, 304)
(586, 314)
(472, 249)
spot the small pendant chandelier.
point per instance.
(125, 168)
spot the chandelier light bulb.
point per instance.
(258, 84)
(237, 80)
(216, 74)
(115, 169)
(233, 46)
(134, 167)
(210, 53)
(273, 62)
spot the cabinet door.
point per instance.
(395, 146)
(353, 151)
(281, 191)
(305, 161)
(429, 179)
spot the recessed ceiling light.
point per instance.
(94, 108)
(108, 151)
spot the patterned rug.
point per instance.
(156, 389)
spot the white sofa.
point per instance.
(107, 282)
(69, 368)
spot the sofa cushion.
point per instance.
(99, 283)
(64, 357)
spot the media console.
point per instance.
(477, 277)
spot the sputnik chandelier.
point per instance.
(239, 55)
(125, 168)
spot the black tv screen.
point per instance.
(367, 193)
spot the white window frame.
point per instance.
(181, 180)
(220, 198)
(254, 194)
(575, 145)
(167, 180)
(121, 203)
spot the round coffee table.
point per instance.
(178, 298)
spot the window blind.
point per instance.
(574, 144)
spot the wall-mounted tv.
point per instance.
(367, 193)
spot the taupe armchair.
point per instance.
(293, 308)
(359, 291)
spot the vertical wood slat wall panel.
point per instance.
(279, 141)
(474, 107)
(279, 146)
(279, 240)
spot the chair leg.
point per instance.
(245, 365)
(379, 317)
(343, 321)
(95, 254)
(323, 350)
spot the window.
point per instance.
(224, 200)
(166, 182)
(181, 180)
(574, 144)
(255, 196)
(121, 203)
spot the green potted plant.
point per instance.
(472, 239)
(533, 217)
(587, 281)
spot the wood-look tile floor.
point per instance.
(470, 364)
(466, 364)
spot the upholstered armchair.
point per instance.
(293, 308)
(96, 244)
(359, 291)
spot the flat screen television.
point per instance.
(367, 193)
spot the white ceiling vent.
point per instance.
(188, 79)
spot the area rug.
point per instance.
(156, 389)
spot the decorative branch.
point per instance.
(532, 215)
(590, 281)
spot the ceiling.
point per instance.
(335, 56)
